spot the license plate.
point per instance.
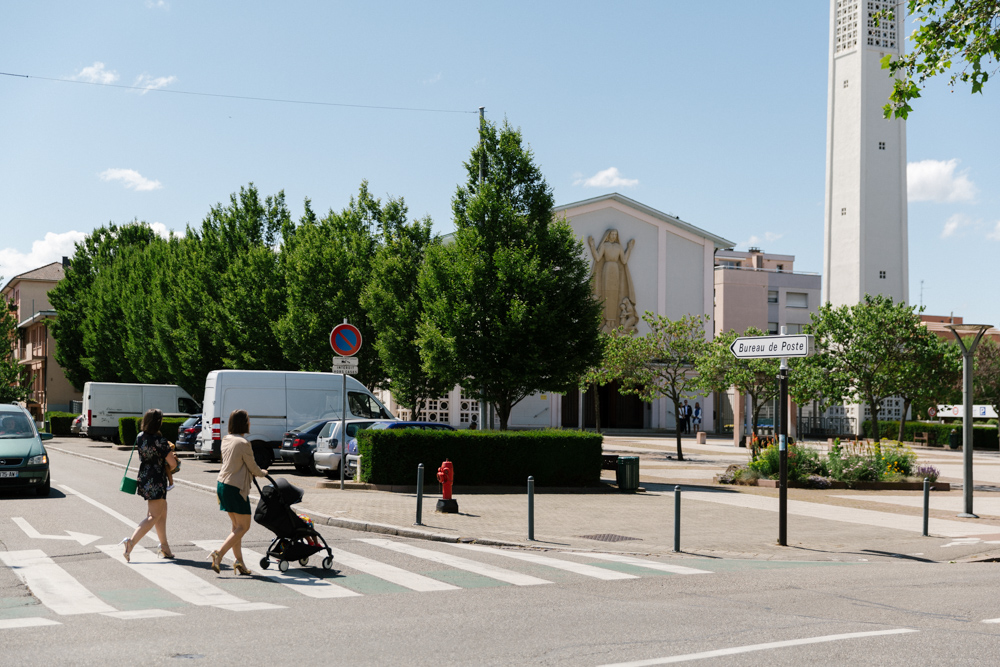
(287, 444)
(8, 473)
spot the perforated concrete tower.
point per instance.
(865, 232)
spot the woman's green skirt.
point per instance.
(230, 499)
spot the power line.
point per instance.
(237, 97)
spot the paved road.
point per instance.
(68, 598)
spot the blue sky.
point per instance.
(714, 112)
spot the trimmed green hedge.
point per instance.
(128, 428)
(482, 458)
(983, 437)
(60, 422)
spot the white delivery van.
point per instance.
(104, 403)
(277, 402)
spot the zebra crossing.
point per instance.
(63, 595)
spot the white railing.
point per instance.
(752, 268)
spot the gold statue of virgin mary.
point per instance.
(613, 282)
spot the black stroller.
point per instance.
(294, 538)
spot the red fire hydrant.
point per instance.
(446, 476)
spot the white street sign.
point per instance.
(771, 347)
(346, 365)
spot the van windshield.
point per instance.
(366, 406)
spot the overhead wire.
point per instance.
(237, 97)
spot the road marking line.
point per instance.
(652, 565)
(55, 587)
(992, 620)
(458, 562)
(29, 530)
(569, 566)
(391, 573)
(180, 581)
(141, 613)
(104, 508)
(296, 579)
(32, 622)
(759, 647)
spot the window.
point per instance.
(881, 145)
(797, 300)
(772, 328)
(772, 296)
(845, 83)
(794, 328)
(781, 267)
(843, 211)
(881, 274)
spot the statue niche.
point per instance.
(613, 282)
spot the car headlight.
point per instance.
(39, 460)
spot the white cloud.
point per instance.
(161, 230)
(51, 249)
(131, 178)
(433, 79)
(97, 74)
(609, 178)
(754, 241)
(157, 4)
(771, 236)
(936, 181)
(955, 223)
(148, 83)
(995, 234)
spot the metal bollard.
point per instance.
(927, 503)
(677, 519)
(420, 494)
(531, 509)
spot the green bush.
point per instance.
(128, 429)
(501, 458)
(60, 422)
(802, 462)
(983, 437)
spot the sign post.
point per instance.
(780, 347)
(345, 339)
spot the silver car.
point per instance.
(329, 445)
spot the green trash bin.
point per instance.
(627, 474)
(954, 439)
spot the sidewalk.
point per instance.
(716, 521)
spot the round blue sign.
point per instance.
(345, 339)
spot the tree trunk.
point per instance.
(876, 427)
(504, 413)
(417, 409)
(597, 406)
(677, 428)
(902, 418)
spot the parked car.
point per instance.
(24, 463)
(77, 425)
(326, 458)
(187, 434)
(352, 442)
(298, 445)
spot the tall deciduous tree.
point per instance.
(986, 378)
(508, 308)
(670, 354)
(14, 386)
(949, 33)
(928, 372)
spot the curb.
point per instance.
(468, 490)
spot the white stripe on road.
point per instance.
(121, 517)
(32, 622)
(141, 613)
(55, 587)
(458, 563)
(299, 581)
(758, 647)
(630, 560)
(180, 581)
(390, 573)
(569, 566)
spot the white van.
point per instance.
(277, 402)
(104, 403)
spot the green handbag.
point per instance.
(129, 485)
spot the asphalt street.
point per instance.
(66, 597)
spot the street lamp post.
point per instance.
(968, 361)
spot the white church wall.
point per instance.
(685, 277)
(535, 411)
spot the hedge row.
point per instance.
(128, 428)
(482, 458)
(60, 422)
(983, 437)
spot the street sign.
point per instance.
(771, 347)
(345, 339)
(347, 365)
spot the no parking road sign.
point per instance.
(345, 339)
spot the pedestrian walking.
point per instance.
(233, 488)
(154, 450)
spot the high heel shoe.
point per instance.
(240, 568)
(216, 559)
(168, 555)
(128, 548)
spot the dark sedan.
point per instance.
(298, 445)
(187, 434)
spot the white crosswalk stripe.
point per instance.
(56, 588)
(459, 563)
(569, 566)
(181, 582)
(390, 573)
(630, 560)
(31, 622)
(295, 579)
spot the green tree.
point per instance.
(965, 33)
(394, 307)
(508, 308)
(986, 378)
(928, 372)
(14, 385)
(670, 353)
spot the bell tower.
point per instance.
(865, 240)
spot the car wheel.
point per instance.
(45, 488)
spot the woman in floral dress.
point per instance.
(152, 448)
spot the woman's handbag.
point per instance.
(129, 485)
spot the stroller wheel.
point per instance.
(303, 562)
(328, 563)
(265, 563)
(283, 565)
